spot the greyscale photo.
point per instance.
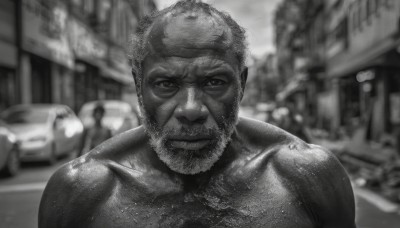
(200, 113)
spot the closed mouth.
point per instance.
(192, 144)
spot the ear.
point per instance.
(243, 79)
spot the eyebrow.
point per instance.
(160, 71)
(219, 70)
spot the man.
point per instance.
(194, 163)
(96, 134)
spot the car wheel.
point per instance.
(12, 166)
(52, 157)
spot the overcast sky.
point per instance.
(256, 16)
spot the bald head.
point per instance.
(186, 26)
(180, 34)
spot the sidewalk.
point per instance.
(373, 166)
(368, 215)
(377, 200)
(374, 211)
(358, 147)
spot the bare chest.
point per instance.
(219, 206)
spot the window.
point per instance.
(104, 10)
(88, 6)
(378, 4)
(8, 88)
(372, 7)
(353, 17)
(393, 82)
(368, 10)
(389, 4)
(358, 16)
(78, 3)
(363, 10)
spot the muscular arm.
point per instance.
(73, 194)
(321, 183)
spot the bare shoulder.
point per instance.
(261, 134)
(304, 158)
(79, 187)
(289, 152)
(311, 173)
(318, 179)
(73, 192)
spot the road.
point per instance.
(373, 211)
(20, 197)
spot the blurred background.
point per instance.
(326, 71)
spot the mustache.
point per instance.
(189, 132)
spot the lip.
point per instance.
(190, 144)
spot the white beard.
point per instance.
(189, 161)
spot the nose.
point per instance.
(192, 110)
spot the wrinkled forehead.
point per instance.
(189, 34)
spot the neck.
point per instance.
(198, 179)
(195, 180)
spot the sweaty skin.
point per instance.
(268, 179)
(265, 177)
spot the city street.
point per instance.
(372, 211)
(20, 197)
(324, 71)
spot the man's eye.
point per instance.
(166, 84)
(215, 82)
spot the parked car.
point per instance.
(9, 151)
(119, 116)
(45, 131)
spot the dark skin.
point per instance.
(265, 178)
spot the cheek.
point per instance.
(223, 106)
(159, 109)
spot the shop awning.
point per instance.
(292, 87)
(352, 62)
(124, 77)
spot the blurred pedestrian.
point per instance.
(296, 125)
(96, 134)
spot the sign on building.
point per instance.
(85, 44)
(44, 31)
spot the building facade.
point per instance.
(300, 45)
(351, 54)
(68, 52)
(9, 54)
(367, 70)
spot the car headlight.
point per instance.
(12, 138)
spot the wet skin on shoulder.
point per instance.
(265, 177)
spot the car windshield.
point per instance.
(21, 116)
